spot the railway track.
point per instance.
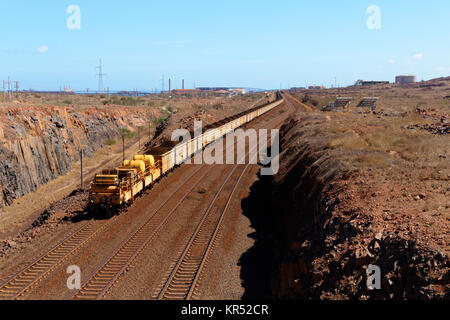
(23, 280)
(39, 268)
(104, 276)
(185, 274)
(290, 100)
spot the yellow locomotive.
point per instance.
(113, 189)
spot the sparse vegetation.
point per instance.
(307, 99)
(159, 120)
(110, 142)
(127, 133)
(127, 101)
(218, 106)
(198, 106)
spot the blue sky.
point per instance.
(261, 44)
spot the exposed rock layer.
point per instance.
(322, 223)
(40, 144)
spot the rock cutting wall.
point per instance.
(319, 225)
(39, 144)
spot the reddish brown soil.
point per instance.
(338, 205)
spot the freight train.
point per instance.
(117, 188)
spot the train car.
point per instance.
(152, 172)
(114, 189)
(117, 188)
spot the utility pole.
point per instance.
(16, 85)
(123, 146)
(139, 136)
(9, 89)
(162, 84)
(150, 129)
(82, 173)
(170, 86)
(100, 77)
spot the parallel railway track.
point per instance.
(290, 100)
(103, 277)
(23, 280)
(185, 274)
(95, 286)
(19, 283)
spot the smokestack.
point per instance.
(170, 86)
(183, 84)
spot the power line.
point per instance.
(16, 85)
(9, 88)
(162, 83)
(100, 77)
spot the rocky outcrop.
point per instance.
(320, 223)
(40, 144)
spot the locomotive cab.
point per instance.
(104, 188)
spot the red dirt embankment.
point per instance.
(335, 210)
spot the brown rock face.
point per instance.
(39, 144)
(320, 223)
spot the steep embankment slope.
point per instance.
(354, 191)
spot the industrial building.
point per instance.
(405, 79)
(185, 92)
(370, 83)
(316, 87)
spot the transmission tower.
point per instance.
(100, 77)
(9, 88)
(162, 83)
(16, 85)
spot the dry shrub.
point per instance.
(374, 160)
(347, 141)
